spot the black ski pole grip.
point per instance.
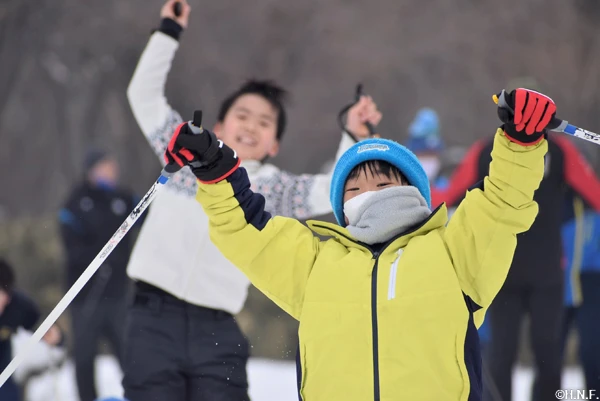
(359, 93)
(177, 9)
(196, 127)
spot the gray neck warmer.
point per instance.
(377, 216)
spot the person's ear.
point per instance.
(273, 149)
(217, 129)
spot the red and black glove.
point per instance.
(209, 158)
(528, 116)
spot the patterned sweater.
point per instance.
(173, 251)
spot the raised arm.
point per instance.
(307, 195)
(481, 237)
(276, 253)
(146, 91)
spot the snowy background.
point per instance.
(270, 380)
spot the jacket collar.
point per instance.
(437, 219)
(251, 166)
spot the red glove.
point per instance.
(533, 112)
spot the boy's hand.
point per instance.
(533, 112)
(168, 11)
(365, 110)
(209, 158)
(53, 336)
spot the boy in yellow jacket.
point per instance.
(389, 306)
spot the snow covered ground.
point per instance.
(269, 381)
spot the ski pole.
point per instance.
(359, 93)
(167, 172)
(177, 9)
(556, 124)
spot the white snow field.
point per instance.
(269, 380)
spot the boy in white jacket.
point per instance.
(182, 342)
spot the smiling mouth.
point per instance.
(246, 140)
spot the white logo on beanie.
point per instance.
(373, 146)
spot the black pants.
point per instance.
(587, 320)
(10, 391)
(176, 351)
(545, 308)
(104, 321)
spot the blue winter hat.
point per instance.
(424, 132)
(376, 149)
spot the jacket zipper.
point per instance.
(376, 389)
(375, 327)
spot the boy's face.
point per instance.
(250, 128)
(369, 181)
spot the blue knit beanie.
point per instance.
(376, 149)
(424, 132)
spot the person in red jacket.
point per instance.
(534, 285)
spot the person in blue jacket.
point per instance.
(581, 250)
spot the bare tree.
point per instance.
(65, 66)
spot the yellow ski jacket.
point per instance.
(394, 323)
